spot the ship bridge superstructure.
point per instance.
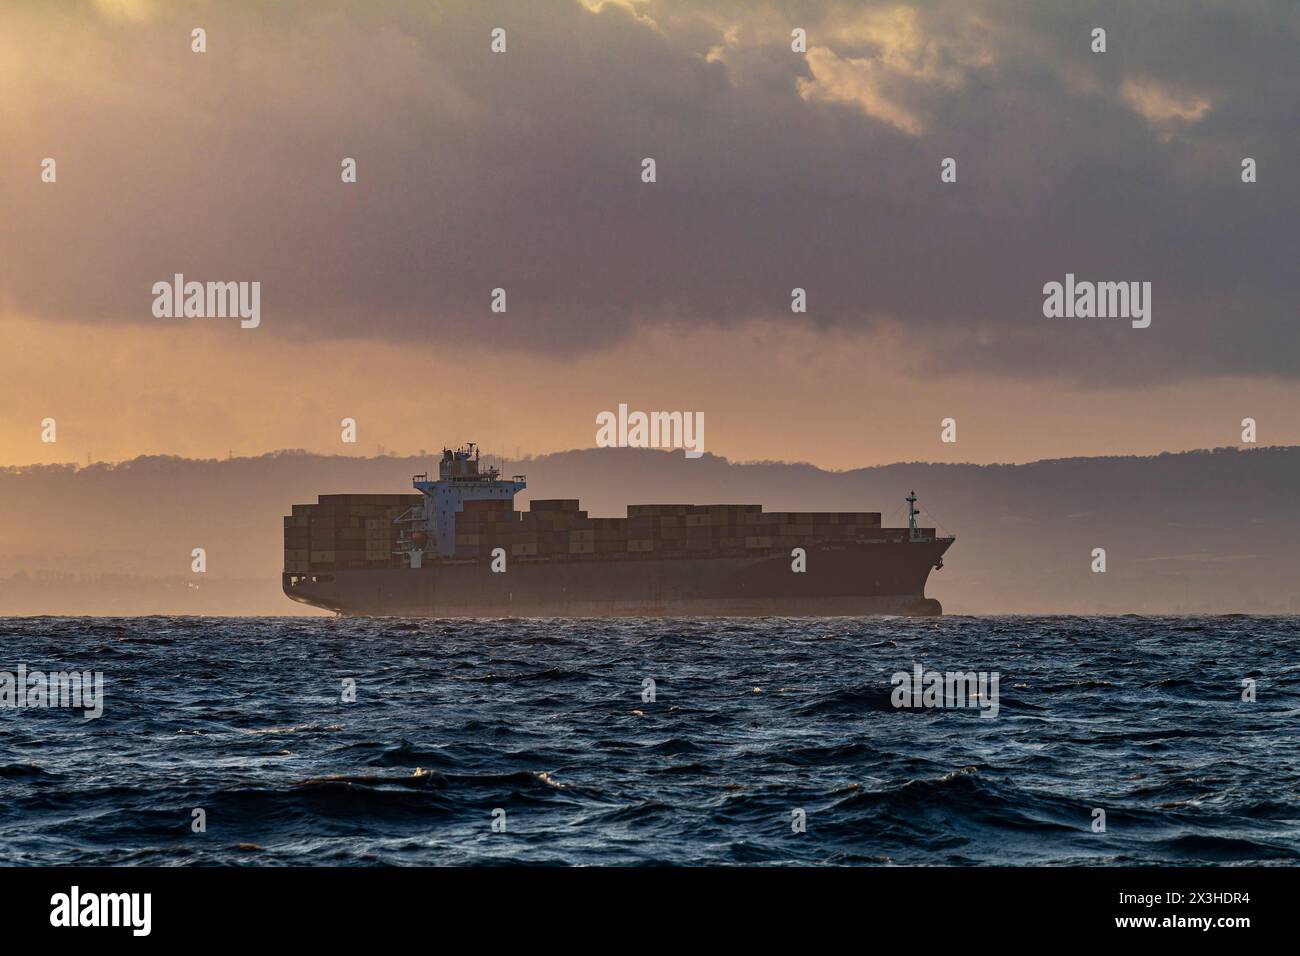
(433, 527)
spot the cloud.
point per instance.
(861, 82)
(124, 9)
(776, 170)
(1164, 108)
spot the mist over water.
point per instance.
(752, 719)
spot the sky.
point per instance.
(775, 169)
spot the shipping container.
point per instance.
(639, 510)
(554, 504)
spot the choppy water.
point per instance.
(752, 719)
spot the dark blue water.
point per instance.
(1140, 717)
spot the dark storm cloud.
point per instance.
(775, 171)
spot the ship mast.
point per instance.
(912, 533)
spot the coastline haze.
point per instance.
(1203, 532)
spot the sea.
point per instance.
(739, 742)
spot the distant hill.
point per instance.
(1207, 531)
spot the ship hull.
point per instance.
(849, 579)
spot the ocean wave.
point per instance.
(753, 722)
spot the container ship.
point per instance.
(457, 547)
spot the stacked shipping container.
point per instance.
(344, 532)
(358, 531)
